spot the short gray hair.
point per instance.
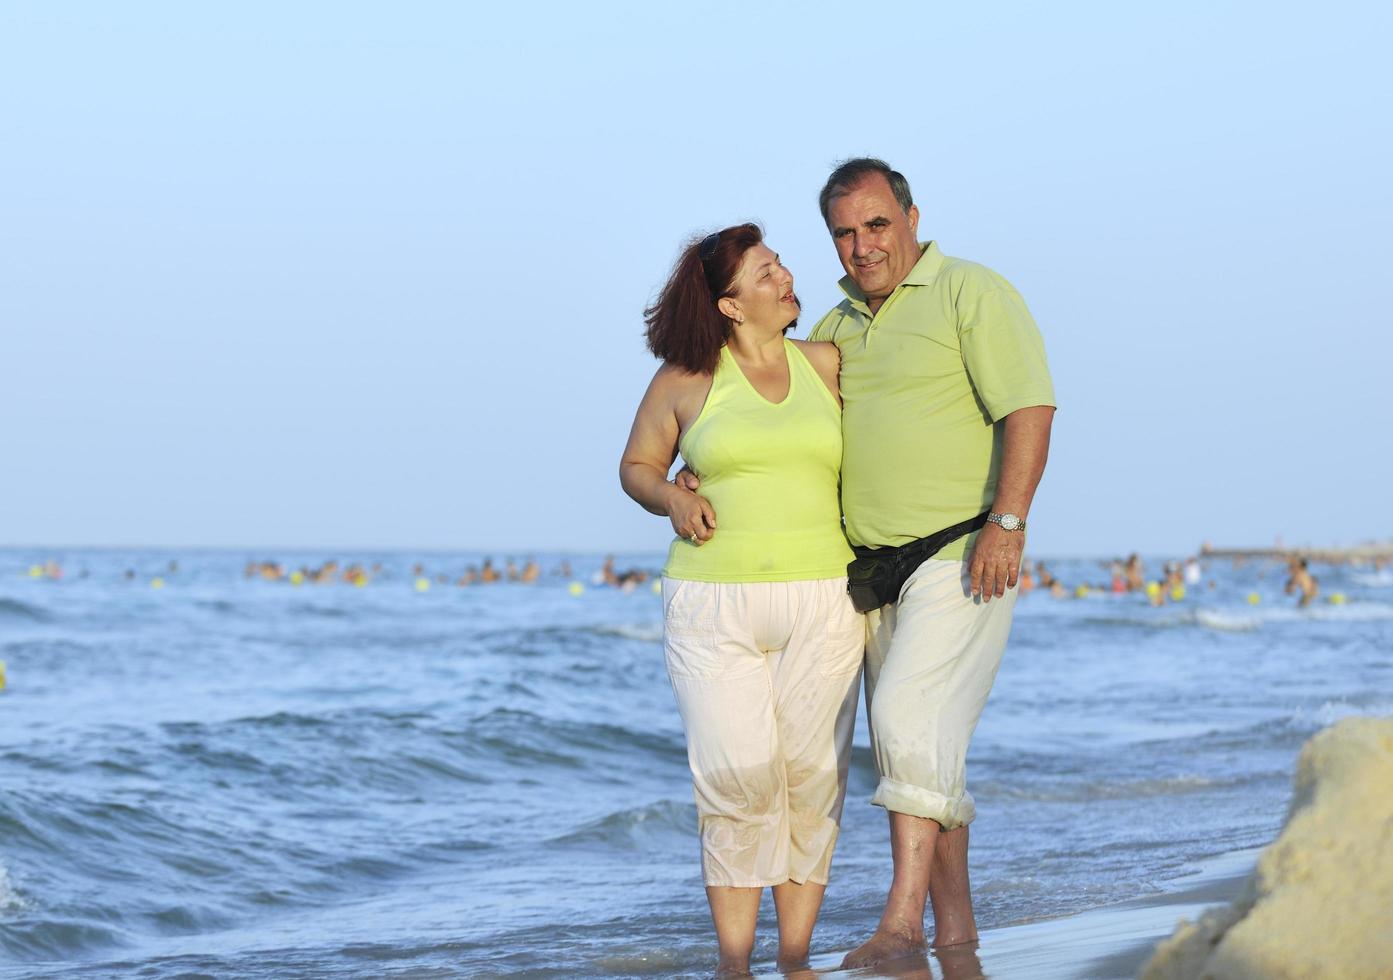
(851, 172)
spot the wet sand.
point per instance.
(1104, 943)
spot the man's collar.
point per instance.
(923, 273)
(926, 269)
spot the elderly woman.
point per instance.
(763, 646)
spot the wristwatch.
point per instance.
(1008, 522)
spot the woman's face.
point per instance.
(764, 290)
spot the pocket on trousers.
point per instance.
(689, 629)
(845, 649)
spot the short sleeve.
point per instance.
(822, 331)
(1002, 347)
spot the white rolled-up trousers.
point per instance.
(766, 676)
(931, 659)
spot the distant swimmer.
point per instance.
(1026, 582)
(1119, 576)
(607, 573)
(1048, 581)
(1301, 581)
(1192, 571)
(531, 571)
(488, 573)
(470, 576)
(1136, 575)
(1175, 578)
(512, 570)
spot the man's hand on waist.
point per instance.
(995, 562)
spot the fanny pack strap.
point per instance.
(928, 546)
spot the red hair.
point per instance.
(685, 329)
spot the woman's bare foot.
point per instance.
(884, 946)
(727, 970)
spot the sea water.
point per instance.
(233, 777)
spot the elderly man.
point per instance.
(948, 407)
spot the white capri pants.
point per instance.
(766, 677)
(931, 659)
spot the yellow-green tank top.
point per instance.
(771, 474)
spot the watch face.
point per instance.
(1010, 522)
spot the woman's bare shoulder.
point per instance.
(821, 353)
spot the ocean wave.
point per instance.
(324, 612)
(1329, 712)
(1227, 622)
(645, 634)
(636, 827)
(1244, 619)
(15, 609)
(1101, 789)
(223, 606)
(56, 940)
(10, 898)
(523, 734)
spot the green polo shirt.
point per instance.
(925, 384)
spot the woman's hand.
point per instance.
(691, 515)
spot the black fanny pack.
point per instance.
(875, 578)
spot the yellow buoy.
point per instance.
(1337, 598)
(361, 580)
(1254, 598)
(1153, 589)
(1080, 592)
(422, 584)
(575, 588)
(657, 586)
(2, 675)
(157, 583)
(297, 578)
(1177, 593)
(36, 571)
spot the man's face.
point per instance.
(875, 240)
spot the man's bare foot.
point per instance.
(884, 946)
(791, 964)
(959, 962)
(725, 971)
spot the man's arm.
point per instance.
(996, 557)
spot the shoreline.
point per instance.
(1111, 941)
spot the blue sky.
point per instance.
(359, 275)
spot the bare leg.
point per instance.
(734, 912)
(950, 892)
(901, 929)
(797, 906)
